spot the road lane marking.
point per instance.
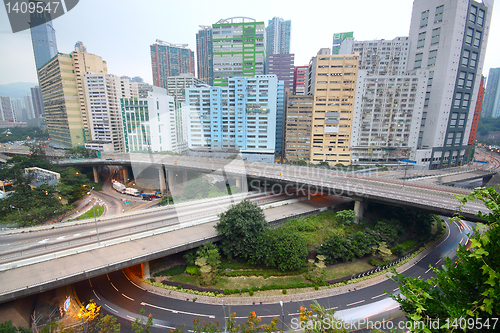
(427, 271)
(172, 328)
(128, 297)
(131, 318)
(125, 275)
(437, 262)
(96, 294)
(178, 311)
(395, 289)
(110, 308)
(461, 241)
(378, 296)
(90, 282)
(137, 285)
(114, 286)
(355, 303)
(107, 276)
(335, 307)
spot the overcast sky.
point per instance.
(122, 31)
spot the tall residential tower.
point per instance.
(170, 60)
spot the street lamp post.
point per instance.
(95, 217)
(406, 166)
(282, 316)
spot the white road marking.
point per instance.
(107, 276)
(137, 285)
(172, 328)
(110, 308)
(126, 275)
(131, 318)
(461, 241)
(427, 271)
(437, 262)
(128, 297)
(96, 294)
(114, 286)
(395, 289)
(43, 241)
(355, 303)
(335, 307)
(378, 296)
(177, 311)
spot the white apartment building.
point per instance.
(448, 38)
(149, 124)
(388, 115)
(103, 94)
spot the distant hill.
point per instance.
(16, 90)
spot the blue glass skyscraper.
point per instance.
(43, 38)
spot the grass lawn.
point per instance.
(99, 210)
(347, 269)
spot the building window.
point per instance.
(432, 58)
(458, 97)
(465, 58)
(477, 38)
(421, 40)
(473, 60)
(480, 17)
(453, 121)
(449, 140)
(431, 78)
(424, 19)
(470, 80)
(438, 17)
(458, 138)
(465, 102)
(427, 97)
(468, 36)
(461, 122)
(461, 79)
(473, 14)
(418, 60)
(435, 36)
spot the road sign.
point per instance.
(476, 161)
(66, 304)
(127, 202)
(409, 161)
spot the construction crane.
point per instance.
(170, 44)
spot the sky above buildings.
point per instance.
(122, 31)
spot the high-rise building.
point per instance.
(80, 47)
(298, 125)
(143, 89)
(244, 120)
(491, 103)
(103, 93)
(282, 66)
(477, 113)
(18, 109)
(339, 39)
(448, 38)
(238, 49)
(28, 105)
(63, 92)
(278, 36)
(137, 79)
(36, 95)
(388, 114)
(176, 85)
(170, 60)
(6, 109)
(43, 37)
(204, 56)
(299, 80)
(149, 123)
(380, 57)
(332, 81)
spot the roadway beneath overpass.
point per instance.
(48, 271)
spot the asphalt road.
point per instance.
(119, 296)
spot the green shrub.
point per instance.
(179, 287)
(316, 287)
(284, 291)
(376, 263)
(176, 270)
(250, 293)
(193, 270)
(398, 250)
(409, 244)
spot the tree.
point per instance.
(142, 325)
(7, 327)
(196, 188)
(466, 290)
(108, 324)
(288, 251)
(337, 248)
(346, 216)
(241, 226)
(317, 320)
(88, 314)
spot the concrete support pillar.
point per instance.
(358, 209)
(145, 270)
(238, 183)
(184, 178)
(96, 174)
(125, 175)
(161, 176)
(171, 179)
